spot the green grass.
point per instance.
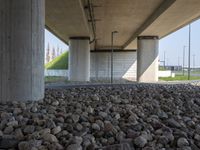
(179, 78)
(55, 79)
(195, 72)
(60, 62)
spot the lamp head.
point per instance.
(115, 32)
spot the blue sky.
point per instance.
(53, 41)
(171, 44)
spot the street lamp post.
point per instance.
(112, 50)
(178, 62)
(194, 62)
(184, 59)
(189, 52)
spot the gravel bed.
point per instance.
(137, 117)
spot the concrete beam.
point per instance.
(180, 14)
(161, 9)
(66, 18)
(176, 29)
(56, 35)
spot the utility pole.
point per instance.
(183, 60)
(112, 50)
(189, 51)
(164, 60)
(167, 61)
(178, 61)
(194, 61)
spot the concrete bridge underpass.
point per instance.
(85, 25)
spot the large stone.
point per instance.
(74, 147)
(56, 130)
(140, 141)
(173, 123)
(29, 129)
(50, 138)
(7, 143)
(95, 126)
(182, 142)
(24, 145)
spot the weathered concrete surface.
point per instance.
(79, 60)
(132, 18)
(66, 18)
(124, 16)
(21, 50)
(147, 59)
(178, 15)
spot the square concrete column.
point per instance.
(147, 59)
(79, 59)
(22, 27)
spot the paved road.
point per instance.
(83, 85)
(192, 74)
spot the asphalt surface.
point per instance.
(88, 85)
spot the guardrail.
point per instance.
(56, 73)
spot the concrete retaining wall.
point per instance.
(124, 65)
(167, 73)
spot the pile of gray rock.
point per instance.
(141, 116)
(196, 83)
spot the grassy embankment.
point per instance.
(60, 62)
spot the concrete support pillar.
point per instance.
(79, 59)
(147, 59)
(21, 50)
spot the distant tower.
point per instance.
(53, 56)
(48, 53)
(58, 51)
